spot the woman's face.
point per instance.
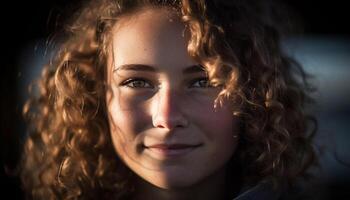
(161, 108)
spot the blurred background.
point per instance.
(323, 50)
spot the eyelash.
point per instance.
(133, 80)
(144, 81)
(200, 79)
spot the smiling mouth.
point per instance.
(164, 151)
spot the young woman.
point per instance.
(150, 99)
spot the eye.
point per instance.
(200, 83)
(136, 83)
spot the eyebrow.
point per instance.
(147, 68)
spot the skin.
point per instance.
(159, 95)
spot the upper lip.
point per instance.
(172, 146)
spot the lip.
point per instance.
(163, 151)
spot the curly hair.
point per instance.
(69, 154)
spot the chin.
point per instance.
(173, 179)
(174, 184)
(179, 182)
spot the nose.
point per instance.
(167, 110)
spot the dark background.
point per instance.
(26, 21)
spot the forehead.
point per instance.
(152, 36)
(149, 18)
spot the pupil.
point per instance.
(138, 84)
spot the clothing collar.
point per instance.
(264, 190)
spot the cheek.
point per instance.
(125, 124)
(219, 126)
(127, 116)
(212, 120)
(221, 133)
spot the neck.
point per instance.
(213, 187)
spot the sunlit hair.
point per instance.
(69, 154)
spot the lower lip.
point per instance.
(170, 153)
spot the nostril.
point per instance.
(167, 111)
(170, 122)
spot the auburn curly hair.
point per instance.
(69, 154)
